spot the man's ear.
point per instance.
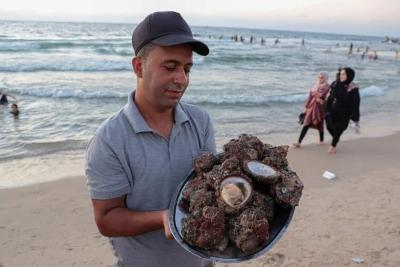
(137, 64)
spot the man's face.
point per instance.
(165, 75)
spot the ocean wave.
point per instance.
(260, 100)
(68, 93)
(241, 100)
(206, 99)
(114, 51)
(108, 66)
(75, 63)
(372, 91)
(31, 46)
(96, 46)
(54, 45)
(38, 148)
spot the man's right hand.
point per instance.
(167, 230)
(114, 219)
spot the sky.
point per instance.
(362, 17)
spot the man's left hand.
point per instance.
(167, 230)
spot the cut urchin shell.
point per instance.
(235, 191)
(261, 172)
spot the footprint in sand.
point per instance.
(377, 255)
(274, 260)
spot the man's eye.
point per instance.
(170, 68)
(187, 71)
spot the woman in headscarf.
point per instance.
(343, 105)
(314, 108)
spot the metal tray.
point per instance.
(278, 226)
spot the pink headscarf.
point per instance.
(321, 87)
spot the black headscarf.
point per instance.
(350, 75)
(339, 90)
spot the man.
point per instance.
(138, 156)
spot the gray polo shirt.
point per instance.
(127, 157)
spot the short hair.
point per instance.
(145, 50)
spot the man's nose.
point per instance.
(181, 76)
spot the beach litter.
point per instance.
(329, 175)
(358, 260)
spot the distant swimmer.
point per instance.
(3, 97)
(373, 56)
(14, 109)
(303, 42)
(351, 49)
(262, 41)
(251, 39)
(363, 55)
(277, 41)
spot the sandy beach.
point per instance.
(353, 218)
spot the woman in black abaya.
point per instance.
(343, 105)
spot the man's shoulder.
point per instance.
(112, 126)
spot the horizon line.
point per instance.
(211, 26)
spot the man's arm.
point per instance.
(114, 219)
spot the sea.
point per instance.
(69, 77)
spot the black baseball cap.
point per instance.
(166, 28)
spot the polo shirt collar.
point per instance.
(137, 121)
(179, 115)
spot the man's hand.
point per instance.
(167, 230)
(113, 218)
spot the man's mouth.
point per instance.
(174, 93)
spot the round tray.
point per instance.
(278, 226)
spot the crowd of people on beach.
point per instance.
(337, 104)
(364, 51)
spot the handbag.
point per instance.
(301, 118)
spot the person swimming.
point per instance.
(14, 109)
(4, 99)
